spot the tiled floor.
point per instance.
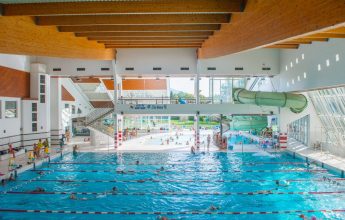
(317, 155)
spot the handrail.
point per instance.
(97, 113)
(163, 100)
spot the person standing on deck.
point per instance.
(208, 141)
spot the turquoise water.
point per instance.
(189, 176)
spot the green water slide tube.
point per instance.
(296, 102)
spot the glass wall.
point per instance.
(299, 130)
(221, 88)
(330, 107)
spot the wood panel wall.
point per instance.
(20, 35)
(144, 84)
(264, 23)
(65, 95)
(14, 83)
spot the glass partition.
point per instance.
(299, 130)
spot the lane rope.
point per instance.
(172, 212)
(185, 181)
(177, 163)
(168, 193)
(185, 171)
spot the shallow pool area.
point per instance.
(176, 185)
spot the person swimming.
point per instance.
(162, 169)
(38, 189)
(137, 162)
(213, 208)
(283, 184)
(73, 197)
(114, 189)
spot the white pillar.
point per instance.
(196, 131)
(55, 111)
(197, 89)
(116, 132)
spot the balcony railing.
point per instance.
(163, 100)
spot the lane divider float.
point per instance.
(171, 212)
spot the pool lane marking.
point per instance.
(185, 171)
(170, 212)
(177, 193)
(184, 181)
(196, 163)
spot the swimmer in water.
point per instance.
(73, 196)
(213, 208)
(114, 189)
(137, 162)
(285, 183)
(38, 189)
(162, 169)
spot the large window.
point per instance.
(330, 107)
(299, 130)
(10, 109)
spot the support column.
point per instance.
(55, 111)
(197, 131)
(197, 89)
(116, 130)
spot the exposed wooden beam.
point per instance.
(297, 42)
(340, 30)
(138, 19)
(136, 28)
(124, 7)
(284, 46)
(144, 34)
(150, 41)
(327, 35)
(265, 23)
(147, 38)
(152, 46)
(154, 43)
(313, 39)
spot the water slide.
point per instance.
(296, 102)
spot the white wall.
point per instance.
(251, 61)
(143, 61)
(292, 78)
(286, 117)
(80, 100)
(69, 66)
(18, 62)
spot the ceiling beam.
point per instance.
(152, 38)
(154, 46)
(340, 30)
(143, 34)
(138, 19)
(297, 42)
(264, 23)
(154, 43)
(136, 28)
(327, 35)
(151, 41)
(124, 7)
(313, 39)
(284, 46)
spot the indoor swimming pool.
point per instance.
(176, 185)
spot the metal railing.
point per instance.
(99, 113)
(163, 100)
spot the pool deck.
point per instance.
(322, 157)
(23, 159)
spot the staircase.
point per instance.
(96, 119)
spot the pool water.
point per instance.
(185, 188)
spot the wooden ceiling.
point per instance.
(322, 36)
(134, 24)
